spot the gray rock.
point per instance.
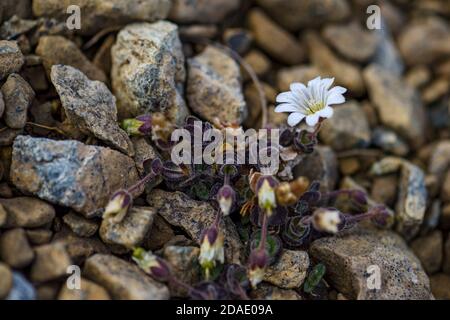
(90, 107)
(160, 234)
(11, 58)
(22, 289)
(70, 173)
(389, 141)
(214, 87)
(429, 250)
(100, 14)
(27, 212)
(412, 195)
(148, 71)
(18, 96)
(348, 256)
(88, 291)
(440, 158)
(348, 129)
(16, 26)
(15, 249)
(123, 280)
(201, 11)
(7, 280)
(290, 270)
(398, 105)
(80, 225)
(52, 261)
(194, 217)
(267, 291)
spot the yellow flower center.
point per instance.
(314, 107)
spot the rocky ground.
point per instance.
(63, 153)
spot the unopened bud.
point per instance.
(326, 220)
(226, 197)
(258, 261)
(118, 206)
(265, 189)
(211, 249)
(139, 126)
(151, 264)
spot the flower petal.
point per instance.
(295, 118)
(335, 99)
(286, 107)
(326, 112)
(327, 82)
(312, 119)
(314, 82)
(285, 97)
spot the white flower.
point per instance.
(311, 102)
(326, 220)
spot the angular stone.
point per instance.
(160, 234)
(148, 71)
(348, 256)
(90, 107)
(144, 153)
(384, 189)
(58, 50)
(101, 14)
(70, 173)
(194, 217)
(429, 250)
(398, 105)
(11, 58)
(80, 225)
(131, 231)
(15, 249)
(39, 236)
(7, 280)
(88, 291)
(440, 158)
(387, 55)
(27, 212)
(18, 97)
(389, 141)
(123, 280)
(440, 286)
(289, 271)
(201, 11)
(214, 87)
(51, 262)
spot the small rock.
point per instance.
(351, 41)
(20, 8)
(148, 71)
(47, 291)
(253, 100)
(418, 76)
(302, 74)
(88, 291)
(429, 251)
(194, 217)
(201, 11)
(16, 26)
(160, 234)
(238, 39)
(18, 97)
(102, 58)
(440, 158)
(436, 90)
(22, 289)
(387, 56)
(51, 262)
(445, 217)
(90, 106)
(398, 105)
(294, 15)
(15, 249)
(2, 104)
(348, 256)
(80, 225)
(384, 189)
(412, 194)
(425, 40)
(267, 291)
(39, 236)
(349, 128)
(320, 165)
(445, 192)
(3, 216)
(11, 58)
(440, 286)
(56, 50)
(349, 166)
(102, 14)
(7, 280)
(277, 42)
(131, 231)
(389, 141)
(347, 74)
(123, 280)
(27, 212)
(214, 87)
(144, 153)
(258, 61)
(70, 173)
(446, 264)
(289, 271)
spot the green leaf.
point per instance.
(314, 278)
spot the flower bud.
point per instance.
(118, 206)
(258, 261)
(139, 126)
(288, 193)
(211, 249)
(265, 190)
(326, 220)
(151, 264)
(226, 197)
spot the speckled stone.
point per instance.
(290, 270)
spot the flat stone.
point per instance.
(148, 71)
(18, 97)
(289, 271)
(429, 250)
(201, 11)
(348, 256)
(194, 217)
(7, 280)
(90, 107)
(11, 58)
(56, 50)
(389, 141)
(15, 249)
(123, 280)
(398, 105)
(102, 14)
(80, 225)
(440, 286)
(51, 262)
(70, 173)
(214, 88)
(88, 291)
(27, 212)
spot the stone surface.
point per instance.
(9, 8)
(80, 225)
(194, 217)
(51, 262)
(101, 14)
(148, 71)
(302, 74)
(214, 87)
(15, 249)
(439, 159)
(39, 236)
(349, 128)
(397, 104)
(258, 61)
(267, 291)
(22, 289)
(307, 12)
(384, 189)
(277, 42)
(445, 190)
(289, 271)
(429, 250)
(202, 11)
(446, 262)
(11, 58)
(90, 107)
(412, 194)
(18, 97)
(70, 173)
(131, 231)
(59, 50)
(440, 286)
(27, 212)
(160, 234)
(122, 279)
(347, 74)
(351, 41)
(144, 153)
(389, 141)
(88, 291)
(7, 280)
(348, 256)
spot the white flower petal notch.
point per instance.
(311, 103)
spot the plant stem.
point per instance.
(141, 182)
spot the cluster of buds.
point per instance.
(151, 264)
(288, 193)
(118, 206)
(211, 249)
